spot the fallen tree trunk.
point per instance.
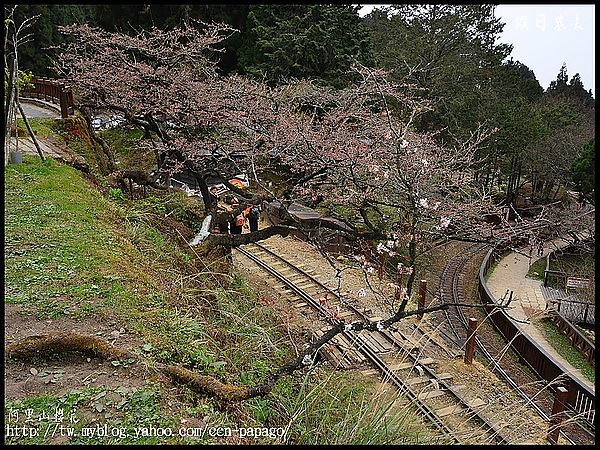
(55, 343)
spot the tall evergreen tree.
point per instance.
(583, 169)
(304, 41)
(568, 116)
(561, 79)
(447, 51)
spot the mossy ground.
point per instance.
(564, 347)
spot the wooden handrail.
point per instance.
(52, 90)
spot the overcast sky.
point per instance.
(545, 36)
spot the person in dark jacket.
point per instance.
(213, 197)
(253, 217)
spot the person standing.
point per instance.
(540, 248)
(253, 217)
(213, 197)
(236, 217)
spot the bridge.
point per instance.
(50, 93)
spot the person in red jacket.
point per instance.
(237, 218)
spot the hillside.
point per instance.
(81, 258)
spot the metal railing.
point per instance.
(51, 90)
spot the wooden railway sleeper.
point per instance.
(390, 375)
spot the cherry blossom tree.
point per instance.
(352, 152)
(352, 148)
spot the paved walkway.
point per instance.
(528, 303)
(34, 108)
(49, 149)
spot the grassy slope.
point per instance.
(71, 252)
(564, 347)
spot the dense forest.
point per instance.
(447, 54)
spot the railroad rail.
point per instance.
(573, 431)
(450, 290)
(390, 351)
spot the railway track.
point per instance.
(488, 343)
(394, 354)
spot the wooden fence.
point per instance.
(580, 398)
(54, 91)
(567, 305)
(577, 339)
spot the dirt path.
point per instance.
(50, 148)
(20, 381)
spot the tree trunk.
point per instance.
(110, 157)
(510, 185)
(557, 190)
(518, 177)
(412, 255)
(9, 109)
(547, 189)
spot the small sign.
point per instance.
(573, 282)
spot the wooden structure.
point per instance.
(580, 398)
(54, 91)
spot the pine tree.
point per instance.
(303, 41)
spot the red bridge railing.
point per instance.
(54, 91)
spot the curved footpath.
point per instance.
(528, 304)
(35, 109)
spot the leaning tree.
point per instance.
(166, 82)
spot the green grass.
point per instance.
(125, 412)
(575, 264)
(132, 150)
(348, 409)
(570, 264)
(123, 139)
(41, 127)
(537, 269)
(492, 267)
(58, 246)
(564, 348)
